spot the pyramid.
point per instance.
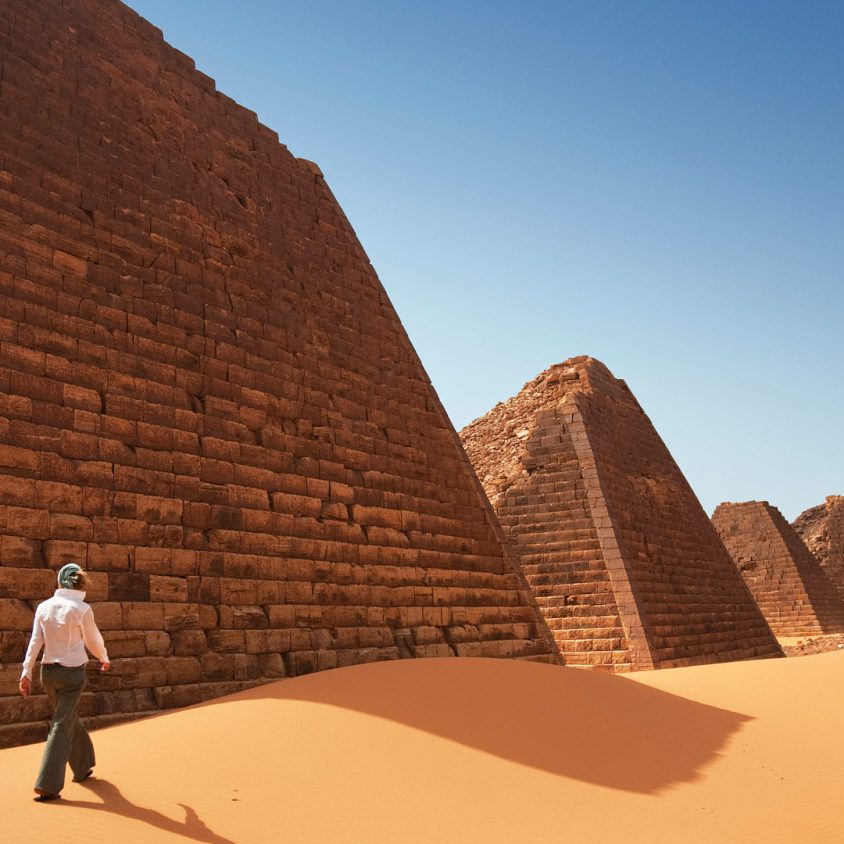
(206, 397)
(622, 559)
(822, 529)
(791, 589)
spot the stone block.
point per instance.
(153, 560)
(168, 697)
(60, 552)
(158, 643)
(108, 615)
(27, 522)
(125, 643)
(271, 666)
(15, 615)
(243, 618)
(9, 679)
(183, 669)
(18, 551)
(143, 616)
(13, 646)
(128, 586)
(189, 642)
(169, 589)
(218, 666)
(36, 585)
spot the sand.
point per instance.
(451, 750)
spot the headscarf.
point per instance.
(67, 576)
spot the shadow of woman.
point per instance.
(113, 801)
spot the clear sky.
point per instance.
(657, 184)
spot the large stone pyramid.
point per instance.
(822, 529)
(791, 589)
(622, 559)
(206, 397)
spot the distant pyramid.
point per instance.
(822, 529)
(206, 397)
(621, 557)
(791, 589)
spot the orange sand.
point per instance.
(452, 750)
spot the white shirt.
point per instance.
(65, 626)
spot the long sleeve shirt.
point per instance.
(65, 626)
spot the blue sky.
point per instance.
(656, 184)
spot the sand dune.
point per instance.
(447, 750)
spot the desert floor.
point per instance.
(460, 750)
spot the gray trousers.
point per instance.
(68, 741)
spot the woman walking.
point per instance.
(65, 626)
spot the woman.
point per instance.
(65, 626)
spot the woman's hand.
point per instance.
(104, 666)
(25, 686)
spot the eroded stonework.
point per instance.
(792, 590)
(822, 529)
(624, 563)
(206, 397)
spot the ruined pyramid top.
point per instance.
(813, 525)
(496, 440)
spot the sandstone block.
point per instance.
(15, 614)
(157, 643)
(143, 616)
(60, 552)
(18, 551)
(189, 642)
(109, 615)
(227, 641)
(125, 643)
(243, 618)
(218, 666)
(271, 666)
(36, 584)
(183, 669)
(170, 589)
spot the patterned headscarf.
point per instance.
(67, 576)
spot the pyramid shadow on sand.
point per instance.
(595, 727)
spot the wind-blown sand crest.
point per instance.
(444, 750)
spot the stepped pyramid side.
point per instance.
(791, 589)
(822, 529)
(550, 520)
(206, 397)
(623, 561)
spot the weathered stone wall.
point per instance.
(551, 524)
(791, 589)
(822, 529)
(591, 497)
(206, 397)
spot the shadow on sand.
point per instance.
(113, 801)
(595, 727)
